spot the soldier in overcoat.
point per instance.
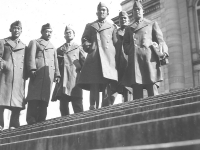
(143, 40)
(42, 64)
(121, 64)
(70, 58)
(12, 75)
(99, 68)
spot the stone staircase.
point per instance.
(166, 122)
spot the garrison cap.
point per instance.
(46, 26)
(137, 4)
(16, 23)
(101, 5)
(123, 13)
(69, 27)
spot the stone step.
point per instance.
(123, 111)
(115, 107)
(120, 111)
(182, 145)
(164, 130)
(113, 121)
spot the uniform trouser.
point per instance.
(36, 111)
(152, 90)
(14, 118)
(77, 104)
(109, 100)
(94, 94)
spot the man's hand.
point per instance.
(86, 46)
(32, 74)
(57, 79)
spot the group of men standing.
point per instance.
(122, 60)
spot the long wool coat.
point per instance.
(121, 57)
(41, 57)
(12, 74)
(100, 62)
(143, 64)
(70, 59)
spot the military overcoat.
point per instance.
(41, 57)
(100, 62)
(12, 73)
(70, 58)
(143, 64)
(121, 57)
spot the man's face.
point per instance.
(46, 34)
(124, 20)
(138, 13)
(69, 35)
(102, 13)
(16, 31)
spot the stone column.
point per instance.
(174, 42)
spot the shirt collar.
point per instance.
(69, 44)
(103, 21)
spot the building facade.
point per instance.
(180, 23)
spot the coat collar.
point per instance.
(72, 47)
(45, 44)
(141, 25)
(106, 25)
(14, 46)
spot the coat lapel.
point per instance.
(66, 49)
(73, 46)
(134, 25)
(95, 25)
(106, 25)
(139, 26)
(19, 46)
(45, 44)
(14, 46)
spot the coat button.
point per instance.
(20, 67)
(134, 39)
(22, 55)
(136, 45)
